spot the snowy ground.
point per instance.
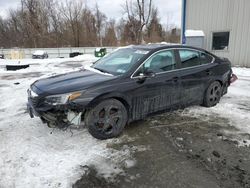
(235, 106)
(33, 155)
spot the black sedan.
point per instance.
(130, 84)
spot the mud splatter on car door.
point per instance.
(155, 94)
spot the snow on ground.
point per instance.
(234, 106)
(33, 155)
(45, 65)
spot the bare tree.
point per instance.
(155, 31)
(31, 20)
(90, 31)
(72, 12)
(110, 38)
(55, 23)
(138, 14)
(35, 17)
(4, 33)
(100, 21)
(46, 23)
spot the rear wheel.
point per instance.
(212, 95)
(107, 119)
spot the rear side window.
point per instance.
(191, 58)
(205, 58)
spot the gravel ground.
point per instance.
(183, 151)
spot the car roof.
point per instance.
(151, 46)
(159, 46)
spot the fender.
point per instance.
(116, 95)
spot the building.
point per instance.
(226, 25)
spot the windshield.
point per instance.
(120, 61)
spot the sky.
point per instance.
(169, 10)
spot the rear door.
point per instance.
(195, 73)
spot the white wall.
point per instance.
(223, 15)
(54, 52)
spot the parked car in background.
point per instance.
(74, 54)
(1, 56)
(130, 84)
(40, 54)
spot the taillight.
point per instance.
(233, 78)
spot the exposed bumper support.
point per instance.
(57, 116)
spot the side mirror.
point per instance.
(146, 74)
(142, 76)
(149, 73)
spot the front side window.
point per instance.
(220, 40)
(191, 58)
(159, 62)
(120, 61)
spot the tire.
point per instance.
(213, 94)
(107, 119)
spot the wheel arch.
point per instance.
(212, 81)
(204, 103)
(220, 81)
(124, 102)
(118, 96)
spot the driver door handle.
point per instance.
(175, 79)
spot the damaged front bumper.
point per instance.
(30, 111)
(55, 115)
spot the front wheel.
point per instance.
(107, 119)
(212, 95)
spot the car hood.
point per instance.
(66, 83)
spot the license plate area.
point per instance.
(233, 78)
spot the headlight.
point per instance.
(32, 93)
(62, 99)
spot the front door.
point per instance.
(158, 91)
